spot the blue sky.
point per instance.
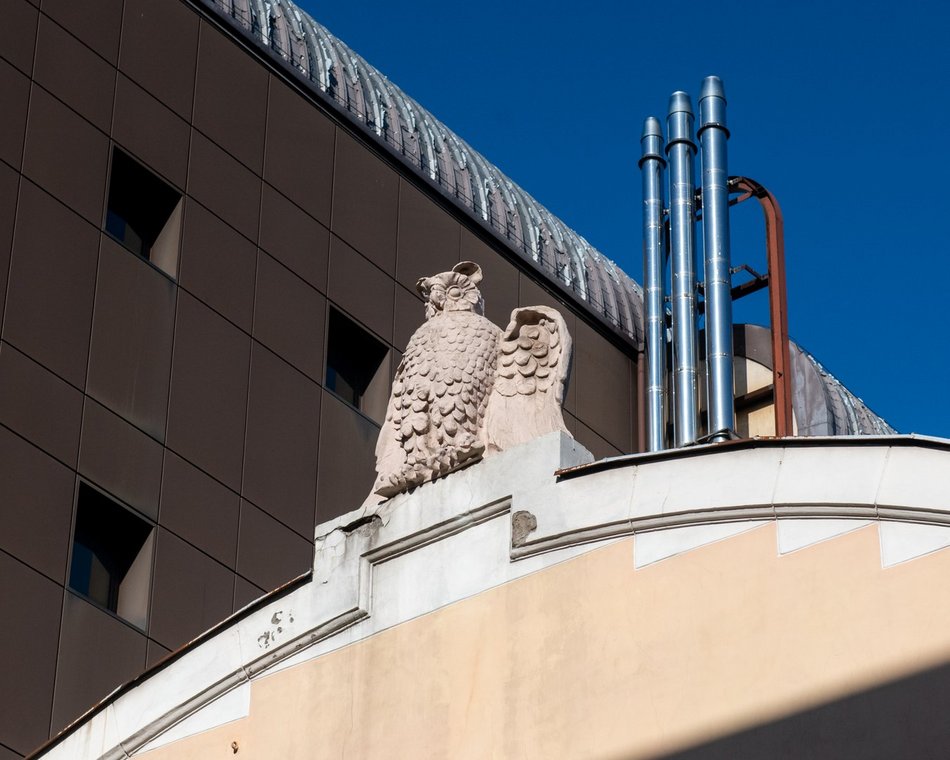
(841, 109)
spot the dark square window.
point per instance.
(112, 556)
(356, 366)
(144, 213)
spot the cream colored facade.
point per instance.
(767, 599)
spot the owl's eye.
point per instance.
(455, 292)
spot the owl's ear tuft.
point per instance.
(469, 268)
(422, 287)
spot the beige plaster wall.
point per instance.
(594, 659)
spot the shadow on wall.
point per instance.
(902, 719)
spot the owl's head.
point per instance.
(453, 291)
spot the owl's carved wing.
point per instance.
(534, 357)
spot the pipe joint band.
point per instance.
(676, 140)
(713, 125)
(651, 157)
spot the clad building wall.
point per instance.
(198, 400)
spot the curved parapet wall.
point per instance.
(698, 592)
(335, 71)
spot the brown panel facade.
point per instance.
(230, 98)
(155, 32)
(294, 238)
(99, 30)
(280, 461)
(150, 131)
(204, 408)
(269, 553)
(9, 190)
(28, 641)
(15, 96)
(74, 73)
(604, 390)
(428, 240)
(208, 397)
(408, 314)
(217, 265)
(365, 188)
(289, 317)
(49, 306)
(347, 458)
(18, 33)
(360, 288)
(245, 592)
(300, 143)
(155, 653)
(36, 492)
(39, 406)
(97, 653)
(120, 458)
(190, 592)
(66, 155)
(499, 283)
(199, 509)
(589, 439)
(132, 330)
(224, 185)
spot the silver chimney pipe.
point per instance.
(652, 165)
(680, 149)
(713, 135)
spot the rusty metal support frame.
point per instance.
(778, 303)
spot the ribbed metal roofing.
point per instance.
(848, 414)
(337, 72)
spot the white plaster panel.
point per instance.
(916, 477)
(234, 705)
(797, 534)
(715, 479)
(451, 569)
(578, 503)
(659, 544)
(901, 542)
(205, 665)
(830, 474)
(92, 739)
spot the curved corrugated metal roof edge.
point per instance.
(336, 72)
(851, 415)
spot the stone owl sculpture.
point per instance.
(464, 388)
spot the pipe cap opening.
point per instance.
(652, 128)
(712, 88)
(680, 103)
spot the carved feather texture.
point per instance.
(528, 358)
(533, 365)
(441, 389)
(464, 389)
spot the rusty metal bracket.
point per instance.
(778, 301)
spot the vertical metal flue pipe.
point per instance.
(680, 150)
(652, 165)
(713, 135)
